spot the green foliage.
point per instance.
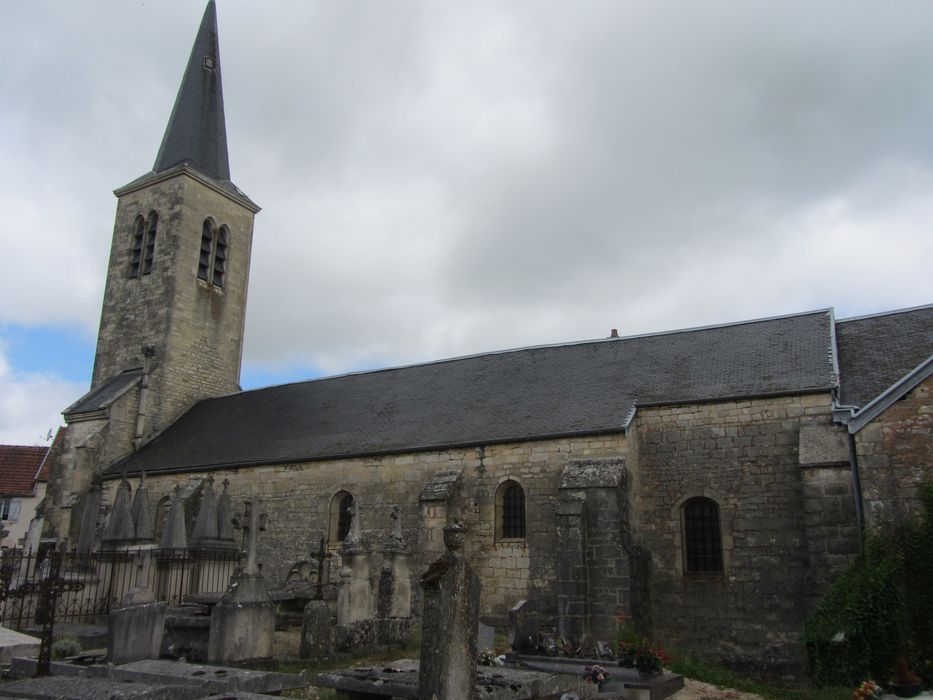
(879, 609)
(709, 672)
(64, 647)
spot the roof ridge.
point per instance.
(878, 314)
(547, 346)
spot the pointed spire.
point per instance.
(205, 527)
(120, 525)
(87, 536)
(142, 516)
(196, 133)
(225, 515)
(174, 535)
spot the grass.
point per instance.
(689, 666)
(313, 666)
(715, 674)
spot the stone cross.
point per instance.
(253, 520)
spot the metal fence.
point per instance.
(82, 588)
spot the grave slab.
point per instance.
(624, 680)
(13, 643)
(399, 679)
(216, 679)
(59, 688)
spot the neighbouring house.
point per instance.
(24, 472)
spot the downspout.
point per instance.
(148, 354)
(857, 487)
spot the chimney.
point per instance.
(614, 333)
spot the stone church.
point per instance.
(705, 483)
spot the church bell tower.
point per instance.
(175, 299)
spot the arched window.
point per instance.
(702, 536)
(143, 251)
(212, 263)
(510, 511)
(340, 516)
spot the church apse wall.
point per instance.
(727, 476)
(895, 458)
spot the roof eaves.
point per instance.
(223, 187)
(736, 397)
(885, 399)
(115, 471)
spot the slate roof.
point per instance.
(100, 398)
(876, 351)
(196, 134)
(196, 131)
(19, 469)
(539, 392)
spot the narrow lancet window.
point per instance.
(510, 511)
(702, 536)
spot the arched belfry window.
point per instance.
(510, 511)
(702, 536)
(340, 516)
(143, 251)
(212, 263)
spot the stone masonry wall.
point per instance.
(743, 455)
(195, 328)
(895, 458)
(298, 498)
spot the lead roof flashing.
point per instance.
(889, 396)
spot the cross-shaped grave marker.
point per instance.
(47, 588)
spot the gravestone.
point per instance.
(449, 620)
(485, 637)
(243, 622)
(134, 632)
(523, 626)
(317, 631)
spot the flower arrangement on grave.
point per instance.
(869, 690)
(490, 657)
(905, 683)
(596, 674)
(640, 655)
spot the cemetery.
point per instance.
(157, 623)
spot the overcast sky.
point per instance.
(444, 178)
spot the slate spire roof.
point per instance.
(196, 133)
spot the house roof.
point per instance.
(531, 393)
(877, 351)
(20, 469)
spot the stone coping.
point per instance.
(399, 679)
